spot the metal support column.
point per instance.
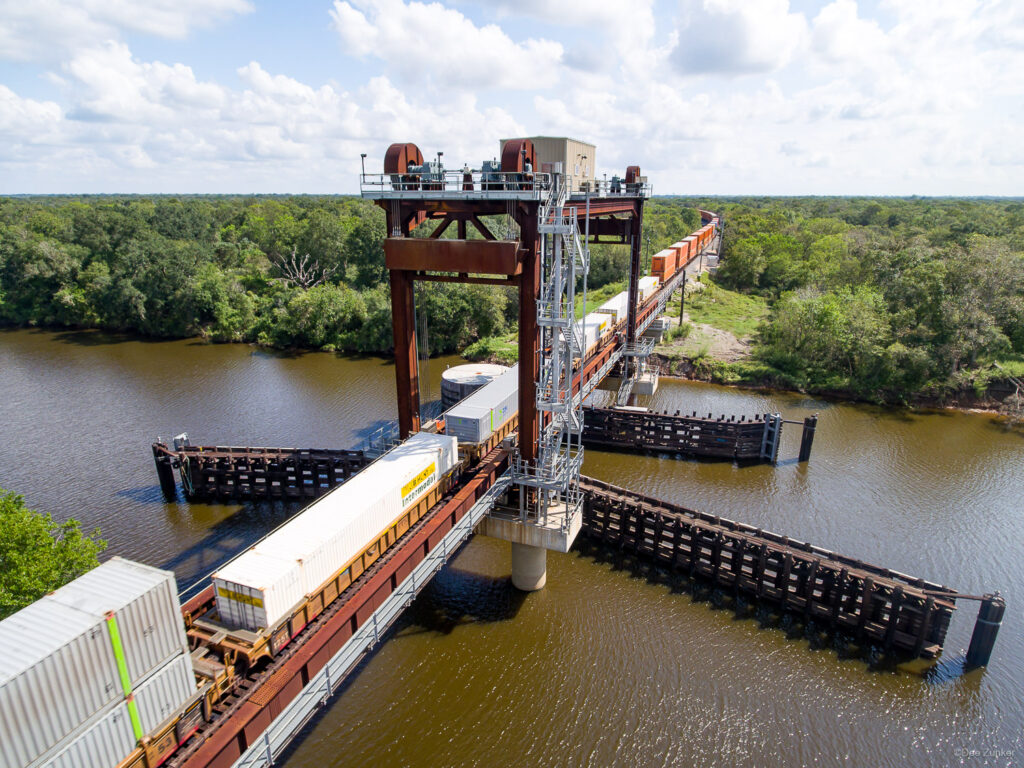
(635, 232)
(403, 325)
(529, 347)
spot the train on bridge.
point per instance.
(125, 675)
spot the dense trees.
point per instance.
(868, 295)
(880, 296)
(38, 555)
(223, 268)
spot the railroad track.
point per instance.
(259, 686)
(251, 682)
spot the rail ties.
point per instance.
(223, 473)
(872, 605)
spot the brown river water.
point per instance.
(604, 667)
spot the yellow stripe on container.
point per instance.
(240, 597)
(418, 479)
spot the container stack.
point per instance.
(89, 670)
(663, 264)
(477, 417)
(682, 249)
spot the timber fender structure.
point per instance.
(228, 473)
(872, 605)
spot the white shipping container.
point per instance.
(165, 693)
(58, 670)
(592, 327)
(102, 745)
(255, 590)
(145, 603)
(477, 417)
(471, 424)
(260, 588)
(617, 307)
(648, 287)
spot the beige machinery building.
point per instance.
(578, 158)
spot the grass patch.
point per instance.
(676, 333)
(1011, 366)
(501, 349)
(721, 308)
(745, 372)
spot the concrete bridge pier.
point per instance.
(531, 539)
(529, 567)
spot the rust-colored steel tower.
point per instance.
(412, 190)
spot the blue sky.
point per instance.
(887, 97)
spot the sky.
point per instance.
(774, 97)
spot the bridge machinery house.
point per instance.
(578, 158)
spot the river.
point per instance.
(602, 667)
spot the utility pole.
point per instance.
(682, 299)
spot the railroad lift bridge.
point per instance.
(543, 252)
(529, 491)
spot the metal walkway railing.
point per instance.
(273, 741)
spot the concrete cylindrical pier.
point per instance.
(529, 567)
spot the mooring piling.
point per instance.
(986, 629)
(807, 438)
(165, 472)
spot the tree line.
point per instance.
(867, 295)
(289, 272)
(880, 297)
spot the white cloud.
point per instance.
(422, 41)
(839, 35)
(629, 26)
(737, 36)
(271, 132)
(112, 85)
(26, 120)
(47, 29)
(927, 102)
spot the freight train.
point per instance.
(123, 676)
(489, 415)
(666, 262)
(119, 679)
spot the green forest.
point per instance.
(288, 272)
(869, 296)
(880, 297)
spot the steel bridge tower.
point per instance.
(543, 252)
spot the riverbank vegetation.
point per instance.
(288, 272)
(37, 554)
(880, 298)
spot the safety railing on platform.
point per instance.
(569, 507)
(612, 188)
(642, 347)
(275, 739)
(530, 186)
